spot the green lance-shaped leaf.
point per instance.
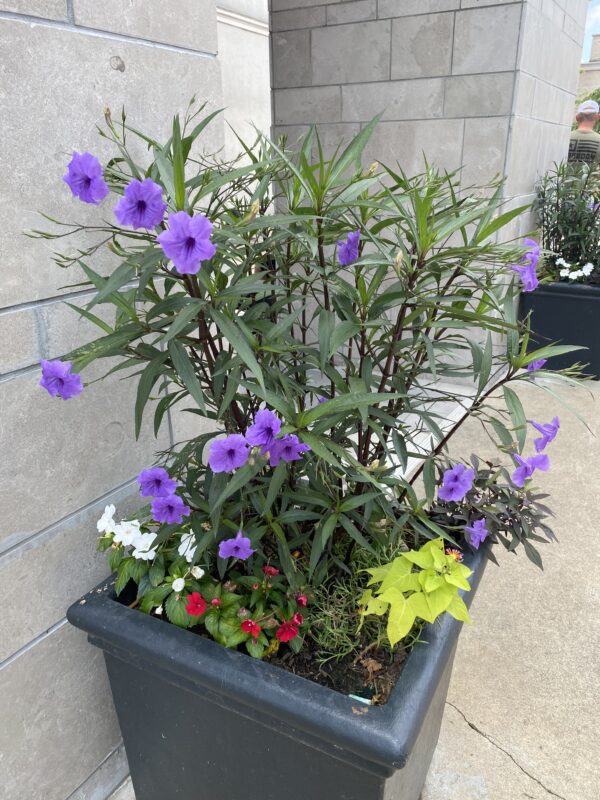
(234, 335)
(150, 374)
(186, 372)
(517, 416)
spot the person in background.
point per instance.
(584, 145)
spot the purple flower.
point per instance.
(548, 431)
(187, 242)
(348, 250)
(527, 266)
(321, 399)
(155, 482)
(228, 454)
(527, 467)
(264, 430)
(57, 379)
(236, 548)
(142, 205)
(456, 482)
(169, 509)
(477, 532)
(288, 448)
(535, 365)
(84, 178)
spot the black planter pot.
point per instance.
(568, 314)
(204, 723)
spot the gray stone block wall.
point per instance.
(63, 62)
(482, 85)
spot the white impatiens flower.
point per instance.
(197, 572)
(187, 548)
(564, 273)
(575, 275)
(143, 547)
(127, 533)
(178, 585)
(587, 269)
(106, 523)
(158, 610)
(560, 262)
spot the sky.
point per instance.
(592, 26)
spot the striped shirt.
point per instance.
(584, 146)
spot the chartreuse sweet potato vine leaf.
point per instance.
(419, 584)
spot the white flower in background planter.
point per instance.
(578, 273)
(158, 610)
(197, 572)
(587, 269)
(564, 273)
(127, 533)
(187, 548)
(560, 262)
(143, 547)
(106, 523)
(178, 585)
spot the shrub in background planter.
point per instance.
(565, 308)
(323, 324)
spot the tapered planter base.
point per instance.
(206, 723)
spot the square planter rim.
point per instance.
(381, 735)
(586, 290)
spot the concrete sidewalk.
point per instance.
(522, 720)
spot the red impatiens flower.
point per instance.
(270, 571)
(196, 604)
(286, 632)
(216, 601)
(297, 619)
(249, 626)
(302, 600)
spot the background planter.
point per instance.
(203, 722)
(568, 314)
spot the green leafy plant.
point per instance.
(419, 584)
(567, 209)
(349, 308)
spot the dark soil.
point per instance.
(371, 673)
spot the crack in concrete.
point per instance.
(502, 750)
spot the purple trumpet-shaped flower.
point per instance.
(526, 467)
(535, 365)
(58, 380)
(142, 205)
(228, 454)
(239, 547)
(169, 509)
(288, 448)
(348, 249)
(477, 532)
(187, 242)
(263, 431)
(528, 265)
(456, 482)
(548, 431)
(84, 178)
(155, 482)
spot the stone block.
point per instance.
(290, 54)
(45, 560)
(285, 5)
(484, 151)
(244, 61)
(307, 106)
(526, 162)
(351, 12)
(61, 328)
(298, 18)
(362, 53)
(58, 722)
(254, 9)
(192, 24)
(480, 3)
(524, 94)
(406, 8)
(151, 82)
(479, 95)
(486, 39)
(18, 340)
(46, 9)
(418, 99)
(422, 46)
(407, 143)
(74, 451)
